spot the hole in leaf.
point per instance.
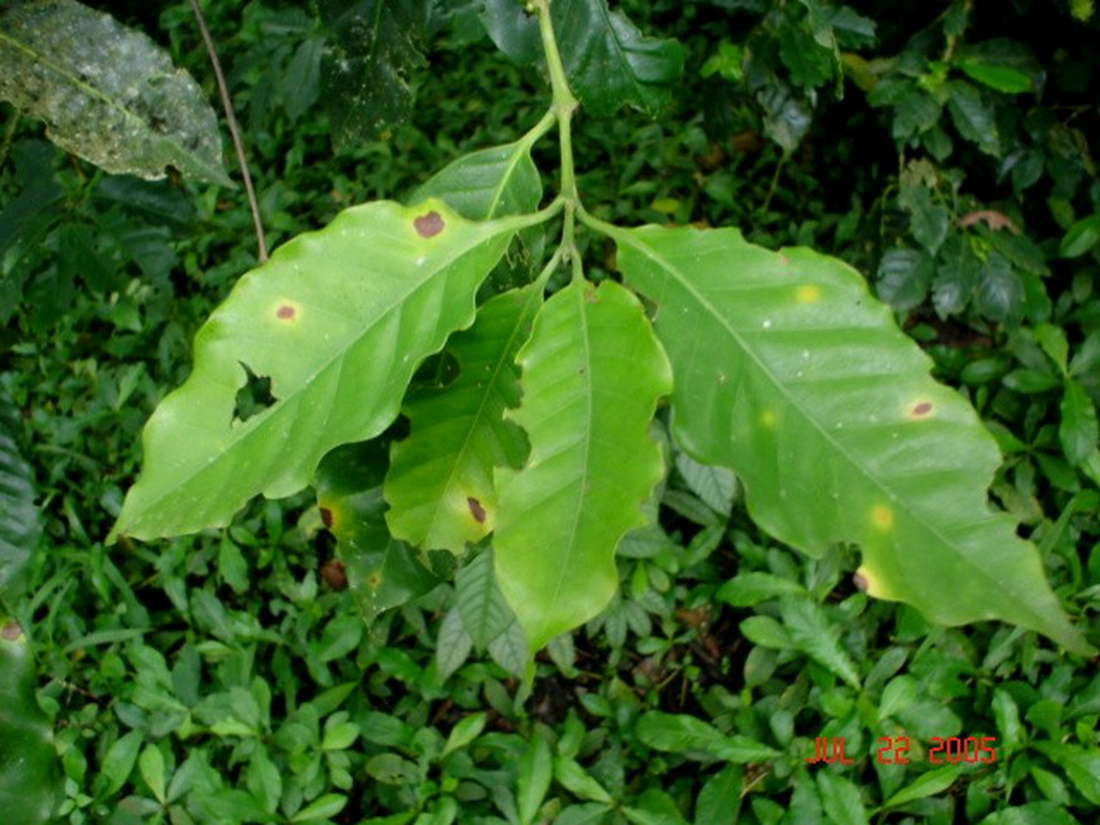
(476, 510)
(429, 225)
(254, 397)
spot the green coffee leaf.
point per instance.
(834, 424)
(440, 482)
(30, 779)
(382, 572)
(374, 47)
(20, 524)
(107, 93)
(317, 321)
(592, 373)
(489, 183)
(609, 63)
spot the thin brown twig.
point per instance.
(233, 130)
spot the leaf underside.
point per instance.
(337, 320)
(440, 483)
(790, 373)
(108, 93)
(592, 373)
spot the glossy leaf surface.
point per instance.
(488, 183)
(440, 484)
(337, 321)
(610, 64)
(108, 93)
(788, 371)
(592, 373)
(30, 781)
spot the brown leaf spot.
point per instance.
(374, 580)
(428, 225)
(335, 574)
(10, 631)
(326, 517)
(476, 510)
(921, 408)
(286, 312)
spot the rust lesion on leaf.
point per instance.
(920, 409)
(287, 311)
(476, 510)
(429, 225)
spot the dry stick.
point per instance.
(233, 130)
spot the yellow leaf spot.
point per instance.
(882, 517)
(808, 294)
(869, 583)
(767, 418)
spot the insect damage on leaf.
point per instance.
(254, 397)
(428, 225)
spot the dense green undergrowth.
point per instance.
(228, 678)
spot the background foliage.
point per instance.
(947, 152)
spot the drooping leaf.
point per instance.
(20, 524)
(108, 93)
(383, 573)
(440, 483)
(30, 779)
(591, 374)
(609, 63)
(834, 424)
(337, 321)
(365, 70)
